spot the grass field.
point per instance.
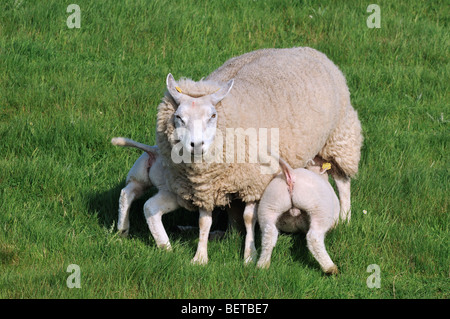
(64, 93)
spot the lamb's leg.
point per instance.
(163, 202)
(315, 239)
(250, 221)
(128, 194)
(267, 222)
(343, 186)
(205, 221)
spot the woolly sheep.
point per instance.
(297, 91)
(316, 211)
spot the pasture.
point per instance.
(65, 92)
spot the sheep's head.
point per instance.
(196, 117)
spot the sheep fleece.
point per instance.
(298, 91)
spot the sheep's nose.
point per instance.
(198, 144)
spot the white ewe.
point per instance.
(297, 91)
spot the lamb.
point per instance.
(146, 172)
(297, 93)
(316, 209)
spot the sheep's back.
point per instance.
(298, 92)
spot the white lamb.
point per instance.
(298, 200)
(146, 172)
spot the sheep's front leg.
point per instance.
(163, 202)
(205, 221)
(250, 216)
(343, 186)
(127, 195)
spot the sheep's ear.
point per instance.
(173, 88)
(220, 95)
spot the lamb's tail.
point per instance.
(287, 171)
(290, 180)
(123, 141)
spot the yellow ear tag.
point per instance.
(326, 166)
(178, 89)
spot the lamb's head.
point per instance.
(196, 117)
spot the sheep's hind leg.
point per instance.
(344, 149)
(269, 231)
(163, 202)
(250, 221)
(127, 195)
(316, 244)
(343, 186)
(205, 221)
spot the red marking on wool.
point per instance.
(193, 104)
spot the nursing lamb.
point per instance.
(146, 172)
(316, 211)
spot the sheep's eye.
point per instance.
(180, 119)
(213, 116)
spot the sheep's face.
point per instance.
(196, 124)
(196, 118)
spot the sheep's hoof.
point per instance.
(248, 260)
(345, 216)
(199, 260)
(263, 265)
(166, 247)
(123, 232)
(333, 270)
(250, 257)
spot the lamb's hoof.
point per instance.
(333, 270)
(199, 260)
(250, 258)
(166, 246)
(123, 232)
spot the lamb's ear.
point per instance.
(173, 88)
(220, 95)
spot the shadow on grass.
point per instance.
(105, 205)
(301, 253)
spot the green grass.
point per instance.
(65, 92)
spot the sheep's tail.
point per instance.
(123, 141)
